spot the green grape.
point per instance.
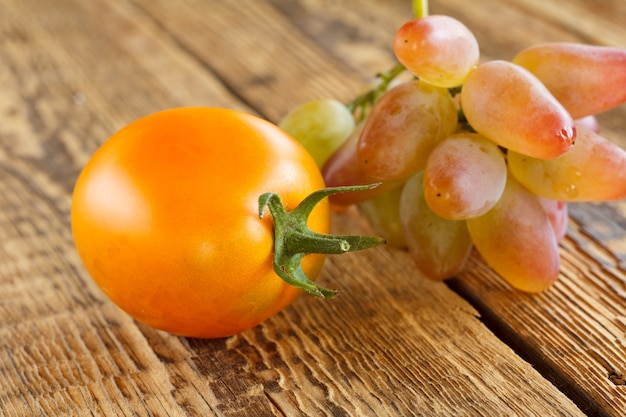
(464, 176)
(321, 126)
(517, 240)
(439, 247)
(594, 170)
(586, 79)
(508, 105)
(439, 50)
(403, 127)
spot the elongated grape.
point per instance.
(439, 247)
(507, 104)
(516, 239)
(464, 176)
(403, 127)
(383, 214)
(321, 126)
(594, 170)
(439, 50)
(586, 79)
(589, 122)
(557, 214)
(343, 168)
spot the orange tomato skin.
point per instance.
(165, 219)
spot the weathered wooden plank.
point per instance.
(73, 72)
(257, 51)
(593, 256)
(70, 76)
(576, 331)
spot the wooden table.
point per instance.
(72, 72)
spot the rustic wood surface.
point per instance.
(72, 72)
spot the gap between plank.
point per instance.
(525, 351)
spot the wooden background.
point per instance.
(72, 72)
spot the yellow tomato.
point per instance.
(165, 217)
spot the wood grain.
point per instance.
(72, 72)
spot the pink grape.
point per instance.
(594, 170)
(517, 240)
(403, 127)
(589, 122)
(439, 247)
(507, 104)
(343, 168)
(464, 176)
(586, 79)
(557, 214)
(383, 214)
(439, 50)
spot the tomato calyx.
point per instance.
(293, 239)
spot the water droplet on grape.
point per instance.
(568, 188)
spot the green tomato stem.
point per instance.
(293, 239)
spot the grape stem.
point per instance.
(360, 105)
(293, 239)
(420, 8)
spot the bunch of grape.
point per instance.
(471, 154)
